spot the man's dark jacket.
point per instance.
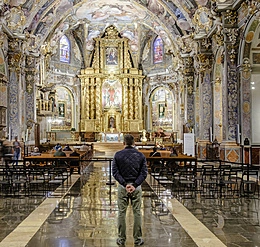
(129, 166)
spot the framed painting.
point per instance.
(161, 108)
(61, 109)
(111, 56)
(256, 58)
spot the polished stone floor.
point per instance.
(84, 211)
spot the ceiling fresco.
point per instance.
(46, 21)
(169, 19)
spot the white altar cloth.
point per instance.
(112, 137)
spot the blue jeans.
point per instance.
(16, 156)
(123, 202)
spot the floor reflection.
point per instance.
(87, 215)
(93, 218)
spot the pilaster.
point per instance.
(15, 58)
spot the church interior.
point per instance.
(83, 72)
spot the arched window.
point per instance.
(64, 49)
(158, 50)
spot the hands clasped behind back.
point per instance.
(130, 188)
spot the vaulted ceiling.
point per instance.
(135, 19)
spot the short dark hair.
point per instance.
(129, 140)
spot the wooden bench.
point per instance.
(146, 152)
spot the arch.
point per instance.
(248, 72)
(64, 49)
(65, 112)
(254, 85)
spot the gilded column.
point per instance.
(92, 98)
(136, 99)
(98, 101)
(83, 97)
(87, 108)
(125, 99)
(121, 52)
(131, 101)
(98, 57)
(125, 57)
(140, 98)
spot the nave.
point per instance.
(84, 212)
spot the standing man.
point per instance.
(129, 168)
(17, 150)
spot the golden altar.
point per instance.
(111, 87)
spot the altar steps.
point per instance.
(107, 149)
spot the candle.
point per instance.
(9, 134)
(27, 134)
(210, 134)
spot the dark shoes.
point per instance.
(139, 242)
(120, 242)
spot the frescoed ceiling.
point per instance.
(135, 19)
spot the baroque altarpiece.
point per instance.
(111, 88)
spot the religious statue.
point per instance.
(143, 138)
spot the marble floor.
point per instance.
(84, 211)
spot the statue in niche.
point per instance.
(111, 122)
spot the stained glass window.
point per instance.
(64, 49)
(158, 50)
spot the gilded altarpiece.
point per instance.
(111, 88)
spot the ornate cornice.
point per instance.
(204, 63)
(230, 17)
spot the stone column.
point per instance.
(3, 88)
(30, 82)
(246, 117)
(15, 87)
(230, 80)
(189, 82)
(205, 92)
(217, 108)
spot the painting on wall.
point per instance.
(111, 56)
(64, 106)
(61, 110)
(161, 108)
(256, 58)
(112, 94)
